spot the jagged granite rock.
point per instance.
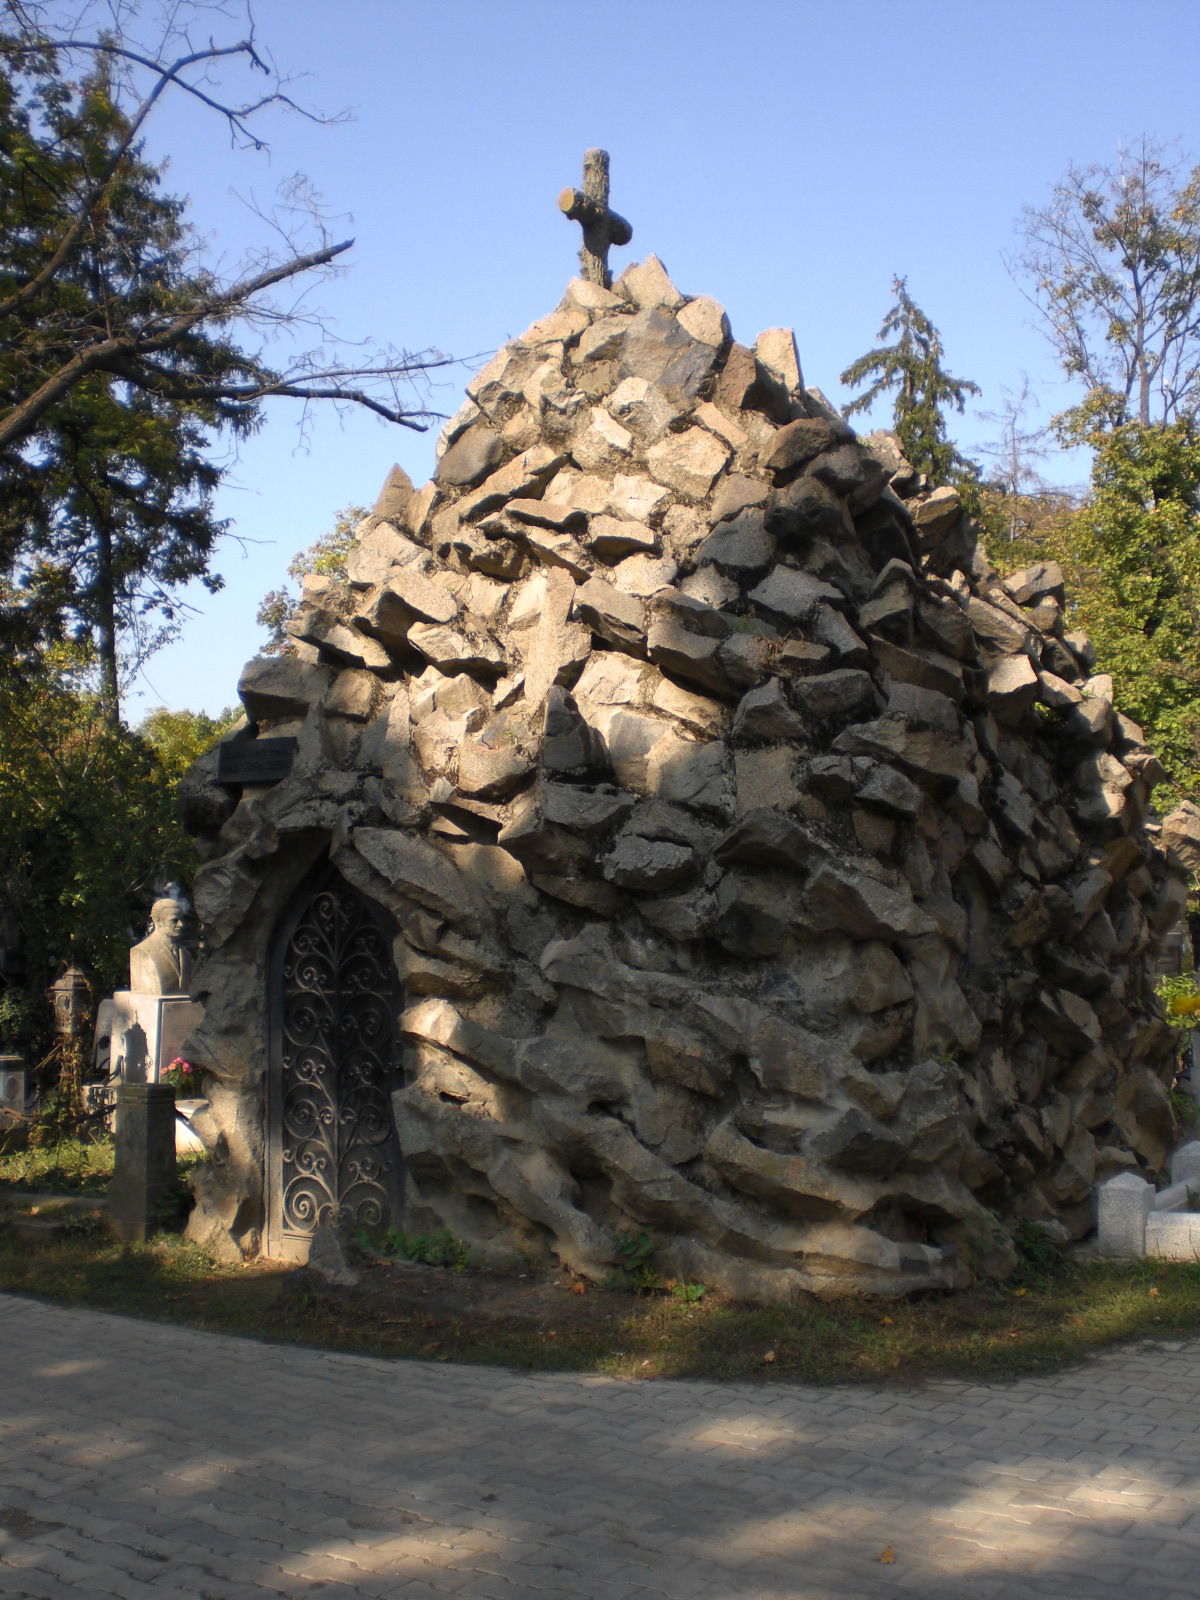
(765, 873)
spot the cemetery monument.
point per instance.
(674, 824)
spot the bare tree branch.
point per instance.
(122, 343)
(1114, 262)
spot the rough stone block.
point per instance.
(273, 688)
(689, 462)
(775, 349)
(471, 457)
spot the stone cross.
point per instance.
(601, 227)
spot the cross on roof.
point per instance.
(601, 227)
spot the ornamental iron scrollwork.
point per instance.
(338, 1066)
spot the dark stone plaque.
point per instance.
(255, 760)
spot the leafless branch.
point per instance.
(131, 347)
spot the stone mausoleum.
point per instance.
(672, 823)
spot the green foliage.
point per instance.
(1183, 1109)
(64, 1166)
(912, 367)
(635, 1271)
(179, 737)
(689, 1293)
(439, 1249)
(107, 503)
(1020, 528)
(88, 830)
(1179, 987)
(1133, 557)
(1040, 1260)
(325, 557)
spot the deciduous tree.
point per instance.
(1114, 261)
(1135, 551)
(325, 556)
(88, 828)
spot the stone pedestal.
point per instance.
(148, 1031)
(144, 1168)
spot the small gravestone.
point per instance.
(1123, 1205)
(13, 1086)
(1185, 1165)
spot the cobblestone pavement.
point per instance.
(146, 1461)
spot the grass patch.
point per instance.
(1063, 1310)
(67, 1166)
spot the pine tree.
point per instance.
(912, 366)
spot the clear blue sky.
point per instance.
(785, 156)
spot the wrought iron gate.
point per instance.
(332, 1142)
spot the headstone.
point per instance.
(13, 1083)
(144, 1172)
(142, 1029)
(1123, 1204)
(1185, 1165)
(1173, 1198)
(1173, 1235)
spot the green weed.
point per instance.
(689, 1293)
(1040, 1260)
(635, 1271)
(439, 1249)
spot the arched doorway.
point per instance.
(332, 1149)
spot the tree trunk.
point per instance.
(106, 628)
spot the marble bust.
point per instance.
(161, 964)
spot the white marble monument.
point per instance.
(152, 1018)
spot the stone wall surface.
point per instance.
(768, 874)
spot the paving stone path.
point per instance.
(147, 1461)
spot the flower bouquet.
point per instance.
(183, 1078)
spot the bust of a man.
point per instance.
(161, 964)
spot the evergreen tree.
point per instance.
(121, 354)
(108, 506)
(912, 367)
